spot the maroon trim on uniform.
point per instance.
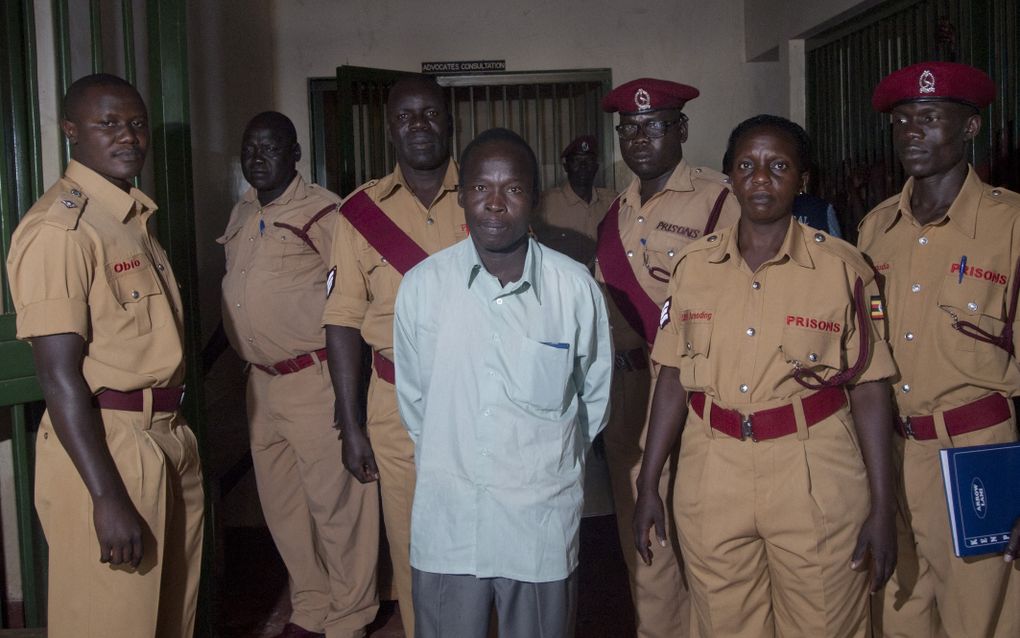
(163, 400)
(379, 230)
(634, 303)
(863, 349)
(713, 217)
(302, 232)
(384, 368)
(296, 364)
(1004, 340)
(773, 422)
(977, 415)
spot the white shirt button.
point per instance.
(429, 221)
(905, 387)
(755, 285)
(499, 302)
(750, 332)
(640, 220)
(743, 387)
(813, 357)
(630, 253)
(972, 306)
(689, 346)
(135, 294)
(251, 339)
(923, 241)
(671, 253)
(909, 336)
(243, 271)
(159, 267)
(487, 412)
(383, 260)
(238, 305)
(915, 288)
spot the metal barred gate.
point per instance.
(857, 168)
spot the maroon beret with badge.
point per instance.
(648, 94)
(934, 82)
(582, 144)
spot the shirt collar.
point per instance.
(680, 181)
(962, 213)
(99, 189)
(394, 180)
(529, 280)
(573, 199)
(297, 189)
(794, 246)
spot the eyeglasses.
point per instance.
(652, 129)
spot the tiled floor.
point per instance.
(254, 601)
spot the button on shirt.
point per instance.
(654, 234)
(740, 343)
(82, 261)
(502, 390)
(366, 284)
(274, 289)
(940, 367)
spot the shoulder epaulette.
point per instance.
(324, 193)
(369, 184)
(709, 242)
(703, 172)
(1003, 195)
(843, 250)
(66, 209)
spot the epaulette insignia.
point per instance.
(66, 209)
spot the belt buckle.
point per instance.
(747, 429)
(907, 428)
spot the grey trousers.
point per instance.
(459, 606)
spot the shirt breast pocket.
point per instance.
(815, 350)
(661, 250)
(136, 288)
(542, 374)
(282, 249)
(973, 301)
(694, 345)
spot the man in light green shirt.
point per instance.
(503, 364)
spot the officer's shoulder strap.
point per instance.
(369, 184)
(66, 209)
(1003, 195)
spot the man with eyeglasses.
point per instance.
(278, 243)
(568, 216)
(667, 205)
(947, 251)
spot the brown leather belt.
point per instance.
(978, 415)
(773, 422)
(384, 368)
(631, 360)
(289, 366)
(163, 400)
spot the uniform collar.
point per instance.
(529, 278)
(296, 190)
(394, 180)
(962, 213)
(573, 199)
(794, 246)
(97, 188)
(680, 181)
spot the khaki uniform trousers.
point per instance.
(157, 457)
(661, 602)
(394, 456)
(768, 528)
(324, 522)
(932, 592)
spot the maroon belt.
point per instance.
(289, 366)
(631, 360)
(774, 422)
(983, 413)
(163, 400)
(384, 368)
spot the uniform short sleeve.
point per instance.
(347, 294)
(880, 364)
(50, 275)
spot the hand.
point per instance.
(648, 512)
(877, 538)
(1013, 547)
(358, 457)
(119, 529)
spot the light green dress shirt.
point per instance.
(502, 389)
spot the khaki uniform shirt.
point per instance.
(274, 289)
(738, 335)
(83, 261)
(919, 267)
(566, 223)
(366, 285)
(654, 234)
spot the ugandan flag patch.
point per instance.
(877, 309)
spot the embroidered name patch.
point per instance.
(695, 315)
(683, 231)
(978, 273)
(814, 324)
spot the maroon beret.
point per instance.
(582, 144)
(648, 94)
(934, 82)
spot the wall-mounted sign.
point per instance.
(469, 66)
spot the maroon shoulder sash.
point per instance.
(640, 311)
(379, 230)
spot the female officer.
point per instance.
(784, 489)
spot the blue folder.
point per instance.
(983, 495)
